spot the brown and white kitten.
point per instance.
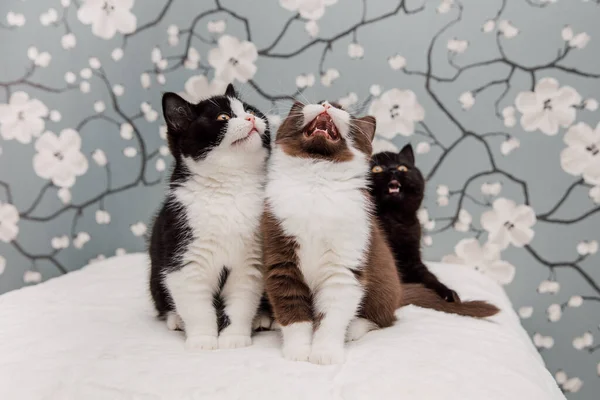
(329, 272)
(398, 188)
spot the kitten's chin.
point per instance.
(251, 142)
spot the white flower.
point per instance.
(126, 131)
(594, 194)
(551, 287)
(102, 217)
(85, 73)
(397, 62)
(423, 217)
(138, 229)
(582, 156)
(49, 17)
(98, 258)
(60, 242)
(118, 90)
(355, 50)
(445, 6)
(508, 223)
(509, 145)
(508, 30)
(233, 59)
(548, 107)
(55, 116)
(567, 33)
(161, 79)
(145, 80)
(198, 88)
(94, 63)
(381, 145)
(585, 248)
(162, 132)
(84, 87)
(427, 240)
(160, 165)
(81, 239)
(2, 264)
(590, 104)
(40, 59)
(464, 221)
(70, 77)
(349, 100)
(375, 90)
(442, 201)
(467, 100)
(457, 46)
(22, 118)
(65, 3)
(116, 54)
(554, 312)
(59, 158)
(216, 26)
(561, 377)
(32, 277)
(575, 301)
(15, 19)
(580, 40)
(99, 106)
(173, 34)
(303, 81)
(488, 26)
(108, 17)
(308, 9)
(573, 385)
(485, 259)
(525, 312)
(100, 157)
(545, 342)
(149, 113)
(120, 252)
(164, 151)
(508, 114)
(442, 190)
(64, 195)
(491, 189)
(329, 76)
(396, 112)
(68, 41)
(423, 148)
(583, 341)
(9, 219)
(130, 152)
(155, 55)
(192, 60)
(312, 28)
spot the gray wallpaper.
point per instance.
(498, 98)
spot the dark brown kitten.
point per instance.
(398, 188)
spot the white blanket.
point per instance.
(92, 335)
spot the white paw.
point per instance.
(296, 353)
(358, 328)
(174, 321)
(327, 356)
(201, 342)
(262, 321)
(234, 341)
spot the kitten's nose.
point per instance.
(326, 106)
(250, 118)
(394, 184)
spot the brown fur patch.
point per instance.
(363, 132)
(288, 293)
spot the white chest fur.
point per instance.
(321, 204)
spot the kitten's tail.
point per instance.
(421, 296)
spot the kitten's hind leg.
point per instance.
(192, 288)
(174, 321)
(358, 328)
(241, 295)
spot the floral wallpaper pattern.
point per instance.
(501, 109)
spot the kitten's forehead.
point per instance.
(237, 107)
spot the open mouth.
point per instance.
(239, 141)
(394, 187)
(322, 126)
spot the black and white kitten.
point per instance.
(398, 188)
(208, 226)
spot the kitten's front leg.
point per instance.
(241, 294)
(192, 288)
(336, 303)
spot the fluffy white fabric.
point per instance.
(92, 335)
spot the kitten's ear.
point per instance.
(178, 113)
(366, 125)
(407, 151)
(230, 91)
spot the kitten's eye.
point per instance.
(402, 168)
(377, 169)
(223, 117)
(250, 112)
